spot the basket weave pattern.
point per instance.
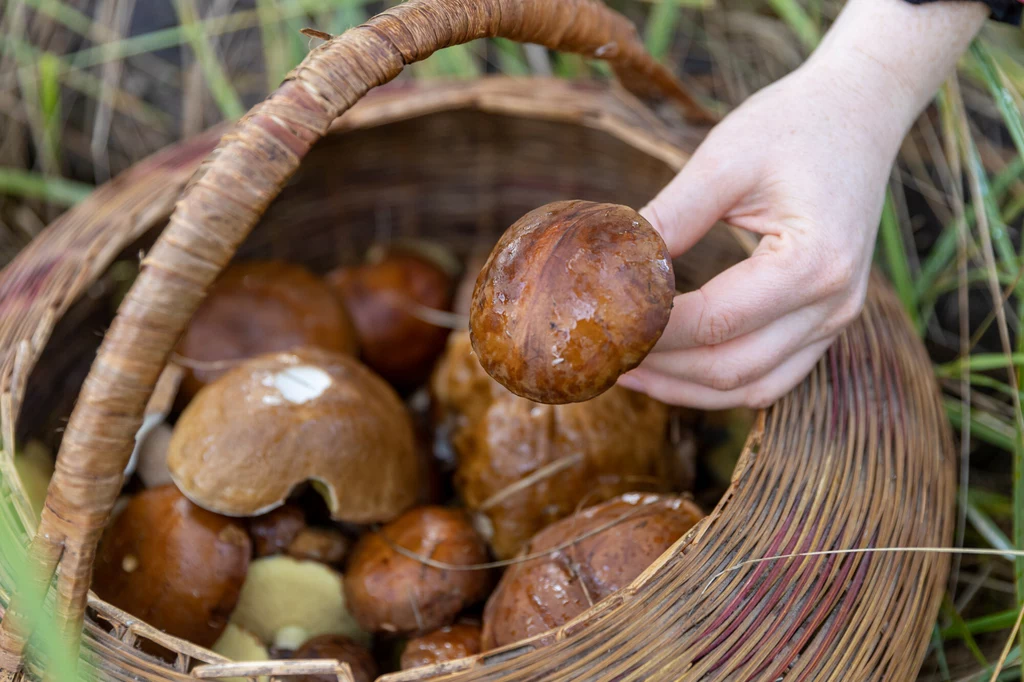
(859, 455)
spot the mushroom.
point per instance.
(341, 649)
(389, 591)
(450, 643)
(615, 542)
(237, 644)
(523, 465)
(273, 532)
(152, 457)
(176, 566)
(249, 438)
(326, 545)
(34, 465)
(574, 295)
(285, 602)
(385, 300)
(261, 307)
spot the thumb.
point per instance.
(707, 188)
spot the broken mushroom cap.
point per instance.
(176, 566)
(382, 299)
(260, 307)
(341, 649)
(618, 540)
(574, 295)
(284, 602)
(450, 643)
(388, 591)
(248, 439)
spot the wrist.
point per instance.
(892, 56)
(868, 105)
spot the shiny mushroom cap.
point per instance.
(280, 420)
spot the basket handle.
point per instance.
(219, 209)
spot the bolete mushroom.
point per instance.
(273, 532)
(237, 644)
(574, 295)
(383, 298)
(248, 439)
(338, 648)
(523, 465)
(449, 643)
(176, 566)
(35, 468)
(326, 545)
(260, 307)
(285, 602)
(617, 541)
(389, 591)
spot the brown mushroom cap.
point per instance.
(326, 545)
(544, 593)
(523, 465)
(574, 295)
(176, 566)
(387, 591)
(341, 649)
(395, 342)
(260, 307)
(273, 533)
(450, 643)
(248, 439)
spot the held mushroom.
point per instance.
(450, 643)
(382, 299)
(178, 567)
(248, 439)
(522, 465)
(261, 307)
(341, 649)
(618, 540)
(388, 591)
(574, 295)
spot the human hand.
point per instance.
(803, 164)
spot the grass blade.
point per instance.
(217, 81)
(891, 238)
(798, 20)
(34, 186)
(511, 60)
(985, 427)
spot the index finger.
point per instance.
(742, 299)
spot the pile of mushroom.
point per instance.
(292, 496)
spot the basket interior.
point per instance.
(457, 178)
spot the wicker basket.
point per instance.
(857, 456)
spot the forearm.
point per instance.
(893, 53)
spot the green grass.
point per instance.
(60, 191)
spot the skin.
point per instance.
(804, 164)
